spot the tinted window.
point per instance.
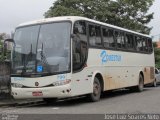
(95, 35)
(129, 41)
(108, 38)
(79, 45)
(139, 44)
(150, 47)
(80, 28)
(145, 45)
(119, 36)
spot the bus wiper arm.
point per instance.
(44, 60)
(30, 54)
(26, 60)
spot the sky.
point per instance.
(14, 12)
(155, 23)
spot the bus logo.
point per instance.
(39, 68)
(109, 57)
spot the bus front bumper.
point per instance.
(63, 91)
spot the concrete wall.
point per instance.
(4, 76)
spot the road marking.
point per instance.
(55, 108)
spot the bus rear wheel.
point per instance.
(95, 96)
(140, 86)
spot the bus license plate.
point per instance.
(37, 93)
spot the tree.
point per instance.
(131, 14)
(3, 54)
(3, 36)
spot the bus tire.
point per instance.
(95, 96)
(50, 100)
(140, 86)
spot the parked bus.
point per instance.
(69, 56)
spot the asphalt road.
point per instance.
(118, 102)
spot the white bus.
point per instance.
(69, 56)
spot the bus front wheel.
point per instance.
(95, 96)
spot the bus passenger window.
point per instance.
(111, 38)
(130, 41)
(98, 36)
(150, 46)
(92, 35)
(108, 38)
(79, 45)
(145, 45)
(120, 39)
(139, 45)
(105, 37)
(123, 41)
(95, 36)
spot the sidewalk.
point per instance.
(7, 100)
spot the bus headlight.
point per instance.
(59, 83)
(16, 85)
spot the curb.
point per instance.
(13, 102)
(7, 104)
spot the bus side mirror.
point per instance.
(8, 40)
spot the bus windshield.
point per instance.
(42, 49)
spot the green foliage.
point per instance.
(4, 54)
(130, 14)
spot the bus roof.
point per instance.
(75, 18)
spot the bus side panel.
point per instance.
(116, 73)
(81, 82)
(120, 77)
(148, 75)
(123, 72)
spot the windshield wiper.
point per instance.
(29, 55)
(26, 58)
(43, 57)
